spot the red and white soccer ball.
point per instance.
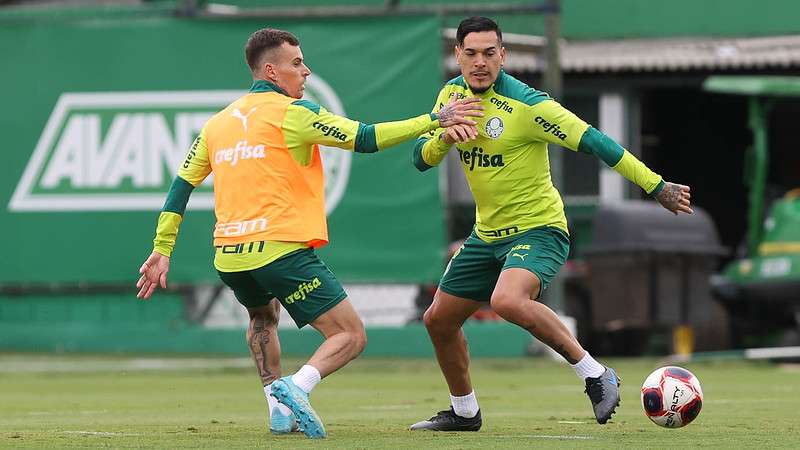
(672, 397)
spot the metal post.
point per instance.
(612, 121)
(683, 333)
(552, 73)
(758, 124)
(552, 79)
(552, 84)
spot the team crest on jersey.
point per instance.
(494, 127)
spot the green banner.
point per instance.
(99, 113)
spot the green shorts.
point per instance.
(300, 281)
(473, 271)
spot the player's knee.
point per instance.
(266, 315)
(501, 305)
(506, 303)
(433, 321)
(356, 337)
(359, 341)
(356, 341)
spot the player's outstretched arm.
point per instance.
(675, 197)
(308, 123)
(456, 113)
(154, 274)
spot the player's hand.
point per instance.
(675, 198)
(459, 133)
(154, 273)
(459, 111)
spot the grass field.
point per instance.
(118, 402)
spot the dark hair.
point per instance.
(477, 24)
(264, 40)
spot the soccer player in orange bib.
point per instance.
(270, 208)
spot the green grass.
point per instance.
(95, 401)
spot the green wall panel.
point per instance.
(58, 70)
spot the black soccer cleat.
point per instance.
(449, 421)
(603, 391)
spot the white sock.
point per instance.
(465, 406)
(273, 402)
(587, 367)
(306, 378)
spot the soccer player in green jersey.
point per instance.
(269, 202)
(520, 238)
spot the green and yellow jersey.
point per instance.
(297, 129)
(507, 166)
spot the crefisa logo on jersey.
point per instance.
(477, 158)
(494, 127)
(119, 151)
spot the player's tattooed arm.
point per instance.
(459, 111)
(675, 197)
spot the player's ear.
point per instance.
(457, 51)
(269, 72)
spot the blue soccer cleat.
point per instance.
(297, 400)
(280, 423)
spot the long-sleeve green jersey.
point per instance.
(305, 125)
(507, 166)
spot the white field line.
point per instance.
(384, 407)
(547, 436)
(86, 412)
(100, 433)
(725, 401)
(43, 365)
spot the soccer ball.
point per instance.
(671, 397)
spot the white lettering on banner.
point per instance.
(138, 147)
(119, 151)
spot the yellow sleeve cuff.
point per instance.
(388, 134)
(634, 170)
(166, 232)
